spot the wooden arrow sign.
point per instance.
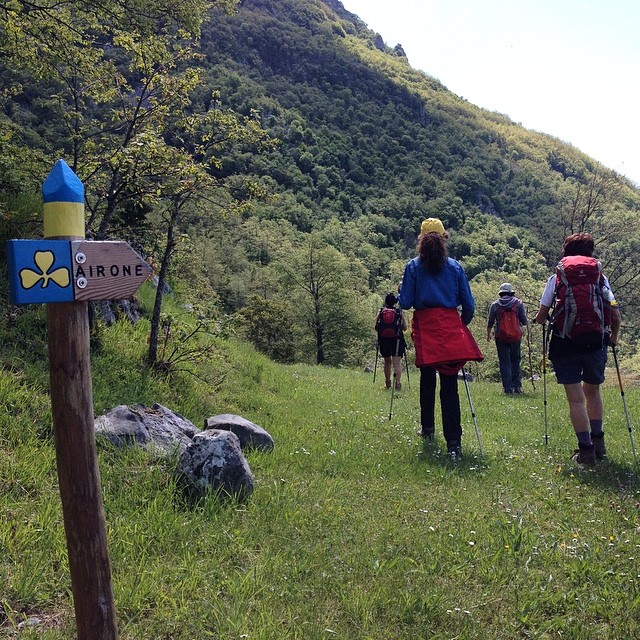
(106, 270)
(46, 271)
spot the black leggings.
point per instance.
(449, 404)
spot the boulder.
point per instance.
(214, 462)
(155, 428)
(251, 435)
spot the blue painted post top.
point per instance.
(63, 199)
(62, 185)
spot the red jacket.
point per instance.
(442, 340)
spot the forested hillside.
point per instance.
(274, 163)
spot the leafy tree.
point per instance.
(325, 290)
(268, 327)
(120, 77)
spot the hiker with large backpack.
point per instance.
(435, 285)
(507, 316)
(390, 326)
(585, 321)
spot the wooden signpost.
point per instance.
(70, 271)
(65, 271)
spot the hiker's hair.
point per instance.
(390, 300)
(578, 244)
(432, 251)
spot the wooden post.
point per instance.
(72, 409)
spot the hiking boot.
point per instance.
(598, 445)
(454, 451)
(427, 435)
(585, 454)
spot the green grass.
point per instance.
(356, 529)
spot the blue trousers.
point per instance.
(509, 357)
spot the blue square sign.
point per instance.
(40, 271)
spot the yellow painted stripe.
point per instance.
(63, 219)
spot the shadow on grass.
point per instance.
(435, 452)
(608, 474)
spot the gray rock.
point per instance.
(157, 428)
(251, 435)
(214, 462)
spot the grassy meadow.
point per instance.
(357, 529)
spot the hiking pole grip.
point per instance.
(624, 403)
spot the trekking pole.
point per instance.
(406, 366)
(406, 362)
(544, 383)
(375, 366)
(473, 413)
(533, 384)
(395, 379)
(624, 403)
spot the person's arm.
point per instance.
(491, 320)
(522, 314)
(406, 298)
(546, 301)
(615, 315)
(616, 320)
(465, 297)
(543, 314)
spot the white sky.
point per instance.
(569, 68)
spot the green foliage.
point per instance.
(268, 328)
(220, 143)
(326, 290)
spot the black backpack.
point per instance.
(389, 323)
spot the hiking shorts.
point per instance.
(388, 347)
(580, 367)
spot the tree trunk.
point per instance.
(152, 356)
(319, 330)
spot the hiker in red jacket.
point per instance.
(435, 285)
(585, 321)
(507, 316)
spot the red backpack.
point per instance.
(508, 327)
(580, 312)
(389, 322)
